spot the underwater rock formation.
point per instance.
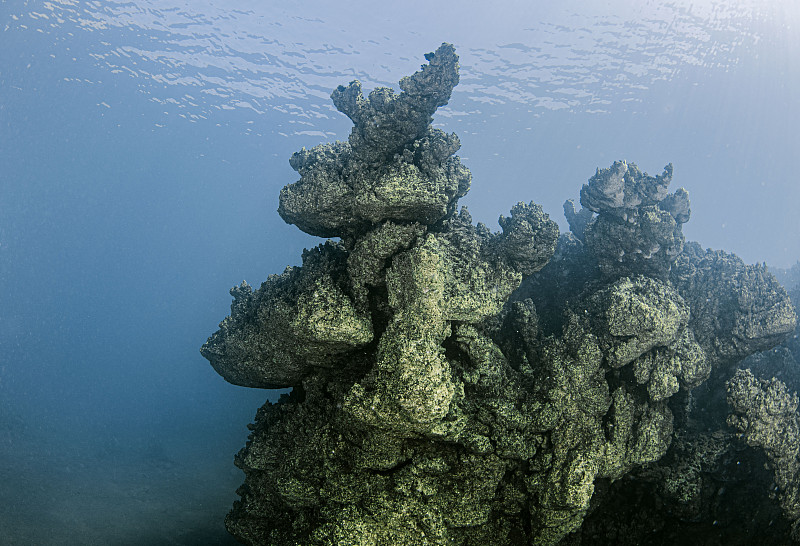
(637, 227)
(765, 413)
(394, 167)
(451, 385)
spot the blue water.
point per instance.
(143, 145)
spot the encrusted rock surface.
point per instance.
(737, 309)
(393, 167)
(765, 412)
(455, 386)
(637, 227)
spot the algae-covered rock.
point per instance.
(765, 413)
(292, 323)
(632, 316)
(455, 386)
(664, 370)
(386, 123)
(528, 239)
(737, 309)
(394, 165)
(577, 219)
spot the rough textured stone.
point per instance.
(633, 316)
(454, 386)
(394, 165)
(622, 189)
(737, 309)
(765, 412)
(292, 323)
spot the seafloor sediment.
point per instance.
(454, 385)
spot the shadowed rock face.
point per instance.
(452, 385)
(766, 415)
(637, 227)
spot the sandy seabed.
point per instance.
(94, 486)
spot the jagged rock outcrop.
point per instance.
(765, 413)
(393, 167)
(737, 309)
(451, 385)
(637, 227)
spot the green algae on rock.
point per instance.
(765, 413)
(293, 322)
(393, 167)
(454, 386)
